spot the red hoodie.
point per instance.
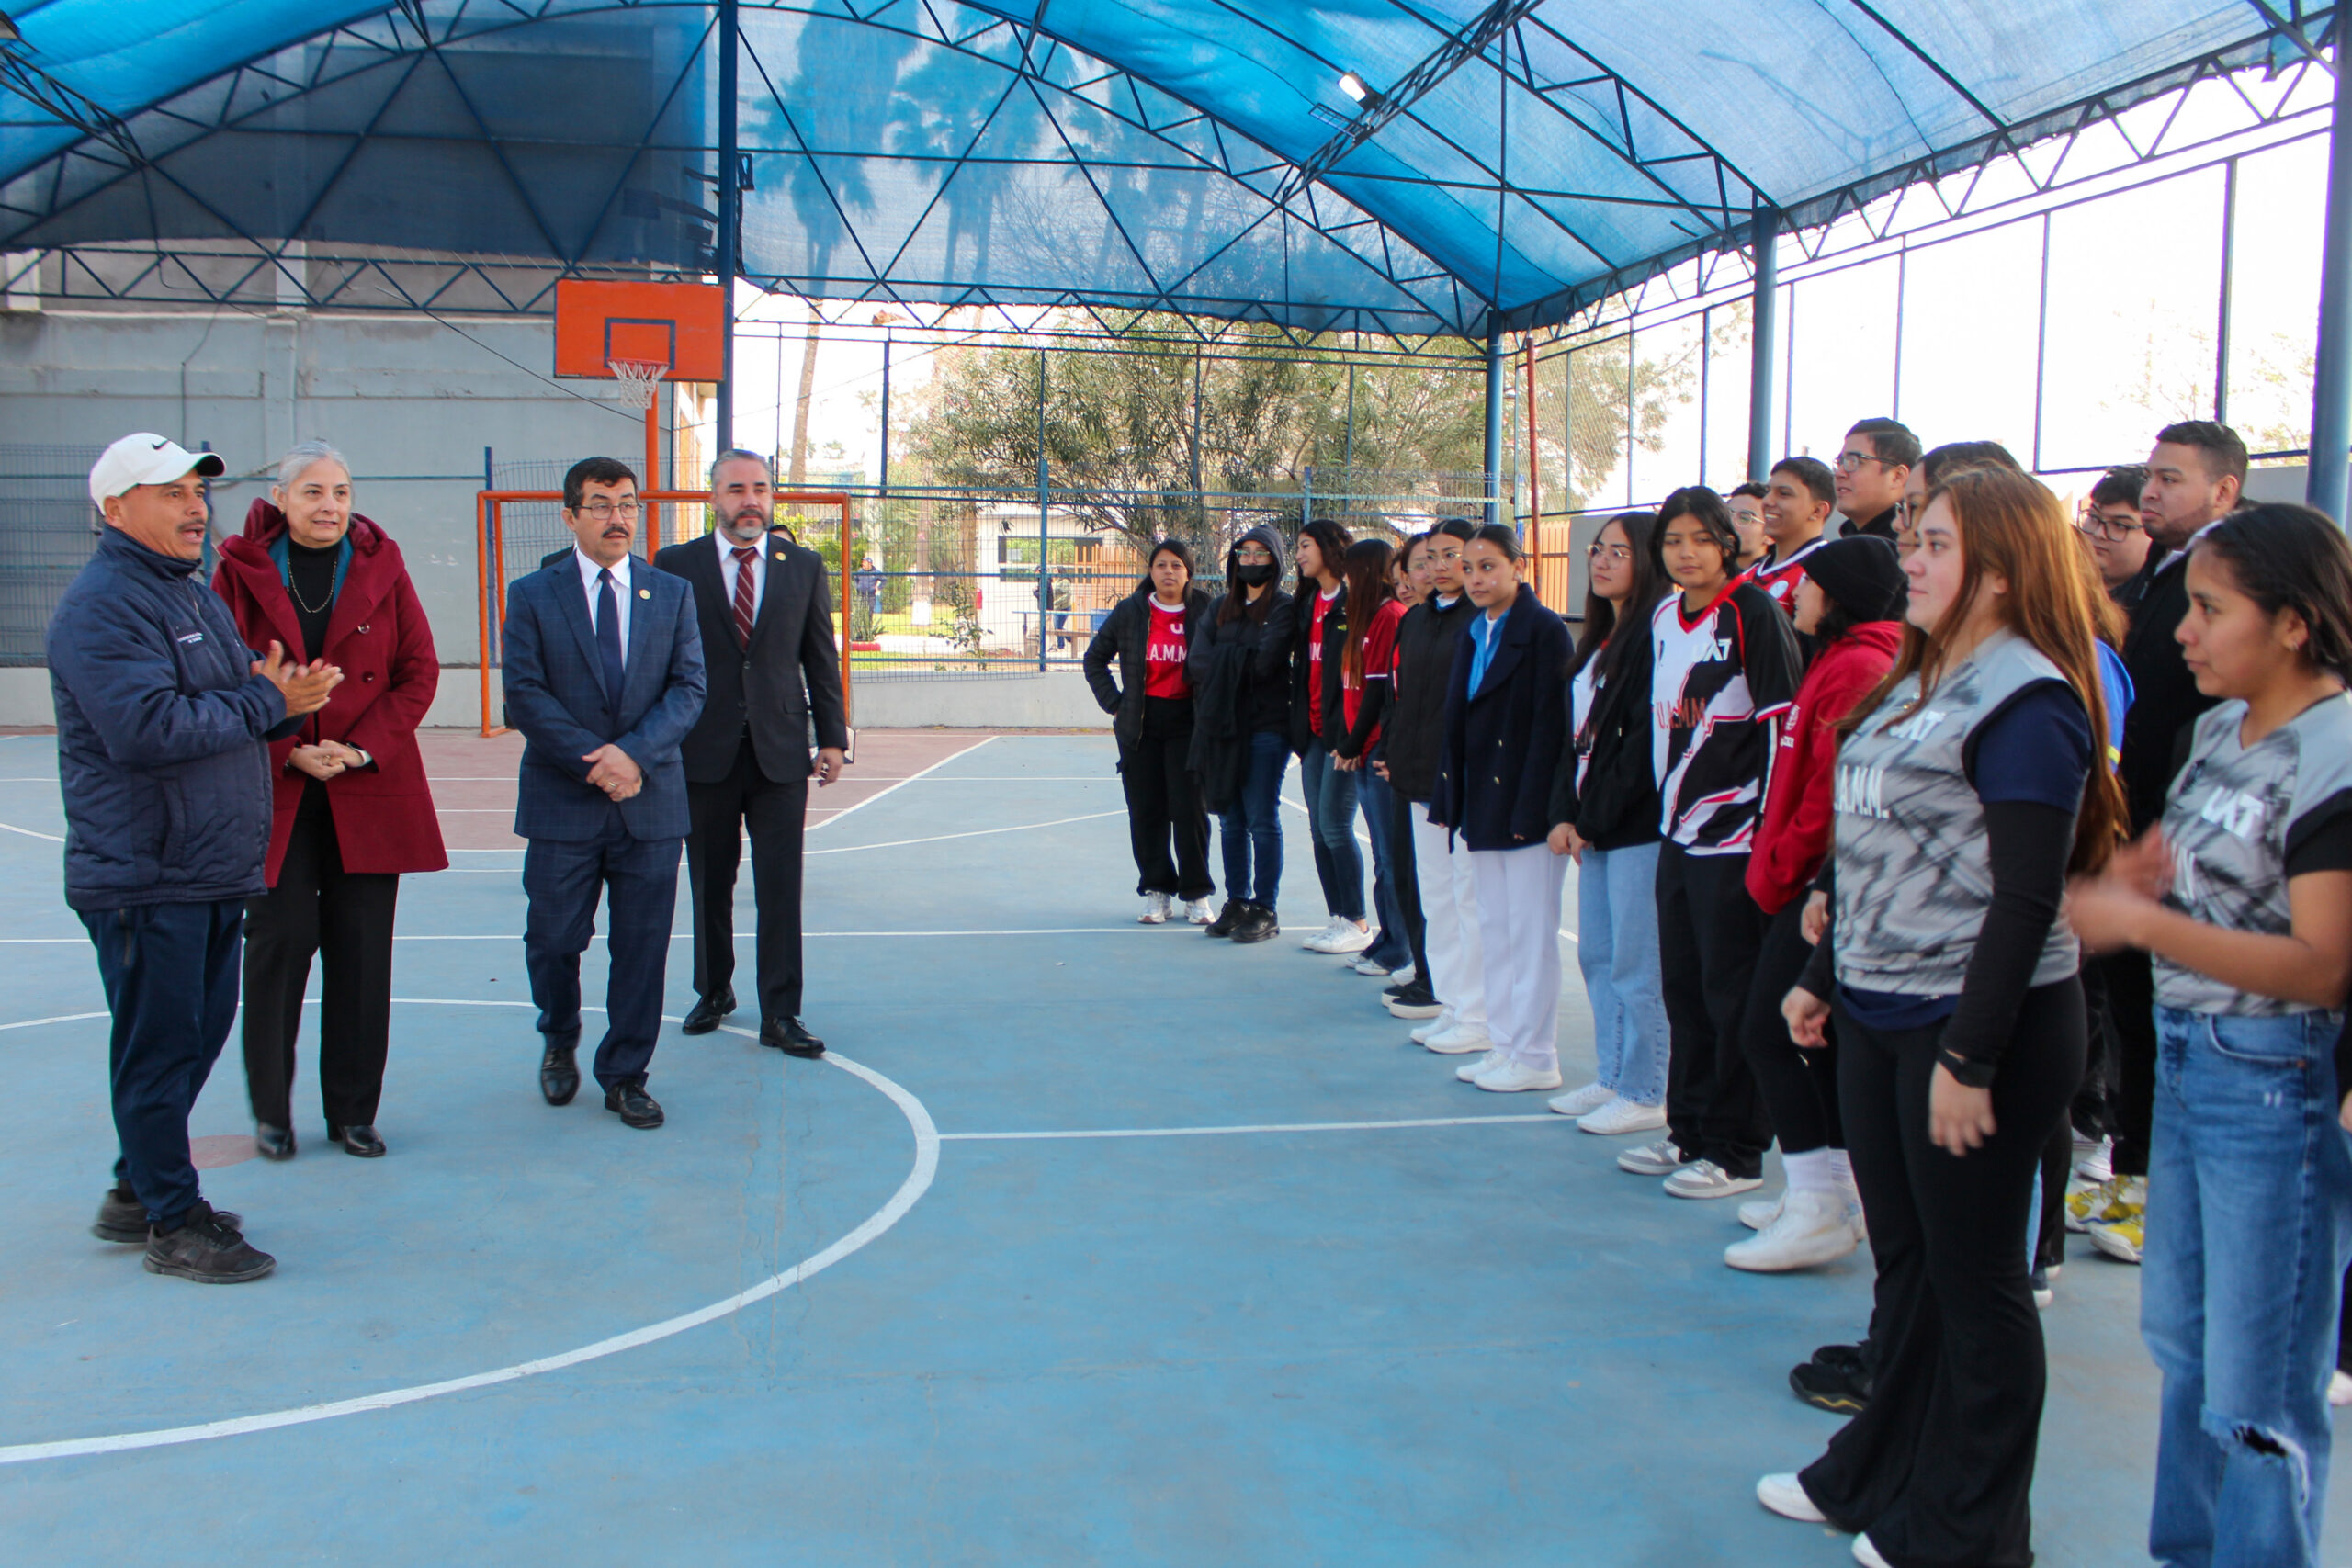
(1793, 835)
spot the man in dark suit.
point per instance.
(773, 671)
(604, 676)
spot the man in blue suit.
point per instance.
(603, 673)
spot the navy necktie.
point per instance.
(608, 635)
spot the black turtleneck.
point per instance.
(312, 574)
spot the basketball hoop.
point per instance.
(640, 379)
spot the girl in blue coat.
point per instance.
(1504, 729)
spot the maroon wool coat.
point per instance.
(383, 817)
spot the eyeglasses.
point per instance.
(1617, 553)
(1852, 462)
(604, 510)
(2114, 530)
(1254, 555)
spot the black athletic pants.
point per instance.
(1405, 879)
(2094, 1111)
(344, 918)
(2132, 1005)
(1938, 1465)
(1799, 1085)
(1164, 803)
(1709, 933)
(776, 815)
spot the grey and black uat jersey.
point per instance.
(1718, 680)
(2235, 819)
(1915, 874)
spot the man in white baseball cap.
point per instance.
(163, 719)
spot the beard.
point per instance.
(748, 523)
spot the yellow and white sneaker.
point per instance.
(2117, 1198)
(2119, 1239)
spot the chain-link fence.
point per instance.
(48, 529)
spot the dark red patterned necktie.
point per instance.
(743, 556)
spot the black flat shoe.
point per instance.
(1257, 925)
(1227, 919)
(122, 1217)
(356, 1139)
(558, 1075)
(273, 1143)
(791, 1036)
(635, 1108)
(706, 1014)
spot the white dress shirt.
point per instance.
(726, 568)
(622, 592)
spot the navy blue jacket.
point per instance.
(162, 732)
(1503, 741)
(555, 696)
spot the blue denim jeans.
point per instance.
(1379, 803)
(2249, 1222)
(1331, 818)
(1255, 823)
(1617, 950)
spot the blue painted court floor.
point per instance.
(927, 1300)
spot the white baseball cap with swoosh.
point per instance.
(147, 459)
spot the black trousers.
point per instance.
(638, 880)
(1164, 803)
(345, 919)
(1404, 874)
(777, 813)
(2131, 1006)
(1938, 1465)
(1799, 1085)
(1709, 933)
(2094, 1109)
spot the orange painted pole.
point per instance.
(481, 599)
(846, 622)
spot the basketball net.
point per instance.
(640, 379)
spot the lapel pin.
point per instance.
(779, 555)
(645, 593)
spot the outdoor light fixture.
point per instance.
(1356, 88)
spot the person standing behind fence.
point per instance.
(603, 675)
(1150, 634)
(1239, 671)
(353, 809)
(775, 677)
(1506, 723)
(1604, 812)
(162, 716)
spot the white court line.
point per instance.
(974, 833)
(910, 1192)
(61, 1018)
(27, 832)
(903, 782)
(1363, 838)
(1267, 1127)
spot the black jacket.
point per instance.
(1413, 729)
(1335, 632)
(1503, 741)
(771, 691)
(1124, 635)
(2164, 698)
(1618, 806)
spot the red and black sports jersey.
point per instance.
(1717, 681)
(1778, 577)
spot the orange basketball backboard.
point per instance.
(683, 325)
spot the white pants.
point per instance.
(1450, 911)
(1518, 934)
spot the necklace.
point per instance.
(304, 605)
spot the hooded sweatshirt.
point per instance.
(1260, 637)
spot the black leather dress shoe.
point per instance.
(704, 1015)
(637, 1107)
(558, 1075)
(273, 1143)
(791, 1036)
(358, 1140)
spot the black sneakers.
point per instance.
(122, 1216)
(1255, 924)
(1227, 918)
(1837, 1380)
(206, 1247)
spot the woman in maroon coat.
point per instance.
(353, 808)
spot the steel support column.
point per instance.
(731, 211)
(1494, 464)
(2332, 365)
(1765, 319)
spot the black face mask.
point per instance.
(1255, 574)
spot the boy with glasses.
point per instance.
(1872, 468)
(2109, 524)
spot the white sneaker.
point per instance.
(1155, 909)
(1460, 1040)
(1434, 1027)
(1369, 967)
(1660, 1158)
(1758, 1214)
(1812, 1230)
(1468, 1071)
(1199, 912)
(2339, 1389)
(1705, 1179)
(1515, 1076)
(1868, 1555)
(1407, 975)
(1314, 943)
(2094, 1163)
(1620, 1116)
(1581, 1102)
(1345, 936)
(1785, 1497)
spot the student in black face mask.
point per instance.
(1239, 674)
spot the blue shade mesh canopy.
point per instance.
(1506, 165)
